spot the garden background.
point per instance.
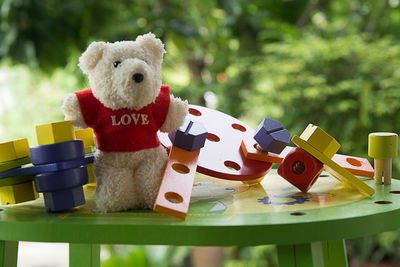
(335, 64)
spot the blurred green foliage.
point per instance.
(331, 63)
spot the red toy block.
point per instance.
(300, 169)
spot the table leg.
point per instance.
(84, 255)
(8, 253)
(324, 254)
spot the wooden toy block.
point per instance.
(8, 165)
(191, 135)
(64, 199)
(87, 136)
(355, 165)
(382, 147)
(13, 150)
(51, 153)
(271, 136)
(251, 152)
(55, 132)
(90, 149)
(300, 169)
(90, 173)
(54, 181)
(18, 193)
(333, 168)
(320, 140)
(15, 180)
(176, 187)
(50, 167)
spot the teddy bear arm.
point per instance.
(178, 109)
(72, 111)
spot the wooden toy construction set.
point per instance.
(211, 143)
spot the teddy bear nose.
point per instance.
(138, 77)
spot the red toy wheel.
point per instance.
(222, 156)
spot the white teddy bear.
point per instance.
(126, 106)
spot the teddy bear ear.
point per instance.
(153, 44)
(91, 56)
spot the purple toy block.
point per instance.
(64, 199)
(51, 167)
(51, 153)
(271, 136)
(191, 135)
(54, 181)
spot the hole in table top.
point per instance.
(194, 112)
(180, 168)
(298, 167)
(298, 213)
(383, 202)
(238, 127)
(394, 192)
(354, 162)
(213, 137)
(173, 197)
(232, 165)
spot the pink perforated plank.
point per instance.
(355, 165)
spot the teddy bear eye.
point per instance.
(116, 63)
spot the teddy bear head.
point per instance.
(125, 74)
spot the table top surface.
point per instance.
(221, 213)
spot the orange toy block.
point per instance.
(176, 187)
(251, 152)
(355, 165)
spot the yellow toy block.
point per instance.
(13, 150)
(18, 193)
(90, 149)
(86, 135)
(55, 132)
(89, 168)
(333, 168)
(320, 140)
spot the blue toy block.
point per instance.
(51, 153)
(54, 181)
(64, 199)
(51, 167)
(191, 135)
(271, 136)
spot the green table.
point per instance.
(308, 229)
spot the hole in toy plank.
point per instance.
(383, 202)
(173, 197)
(194, 112)
(232, 165)
(354, 162)
(298, 213)
(324, 175)
(298, 167)
(238, 127)
(213, 137)
(180, 168)
(394, 192)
